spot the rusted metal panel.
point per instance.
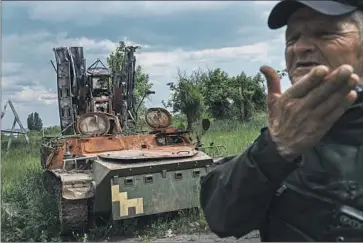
(65, 89)
(117, 99)
(122, 147)
(64, 96)
(101, 144)
(200, 159)
(147, 154)
(158, 117)
(76, 185)
(77, 191)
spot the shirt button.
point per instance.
(340, 239)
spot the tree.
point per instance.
(241, 94)
(248, 95)
(187, 97)
(259, 96)
(142, 82)
(34, 122)
(116, 57)
(216, 93)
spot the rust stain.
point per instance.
(172, 152)
(122, 147)
(101, 144)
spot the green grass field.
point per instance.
(27, 212)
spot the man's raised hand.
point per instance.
(301, 116)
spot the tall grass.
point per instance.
(28, 213)
(235, 136)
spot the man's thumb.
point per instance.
(273, 80)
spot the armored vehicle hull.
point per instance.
(135, 187)
(125, 182)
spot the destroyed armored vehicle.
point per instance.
(99, 164)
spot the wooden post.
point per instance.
(16, 120)
(11, 135)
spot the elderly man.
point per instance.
(302, 178)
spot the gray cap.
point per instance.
(283, 10)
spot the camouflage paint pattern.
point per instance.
(148, 194)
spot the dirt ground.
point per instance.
(204, 238)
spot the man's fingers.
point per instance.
(273, 80)
(340, 81)
(308, 82)
(336, 113)
(332, 102)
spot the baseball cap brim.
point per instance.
(280, 14)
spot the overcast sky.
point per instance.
(231, 35)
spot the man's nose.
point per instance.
(304, 44)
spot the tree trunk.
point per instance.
(247, 111)
(190, 122)
(241, 112)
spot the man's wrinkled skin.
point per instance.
(312, 147)
(324, 62)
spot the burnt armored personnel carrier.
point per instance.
(100, 165)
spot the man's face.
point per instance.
(316, 39)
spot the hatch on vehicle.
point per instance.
(158, 117)
(132, 155)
